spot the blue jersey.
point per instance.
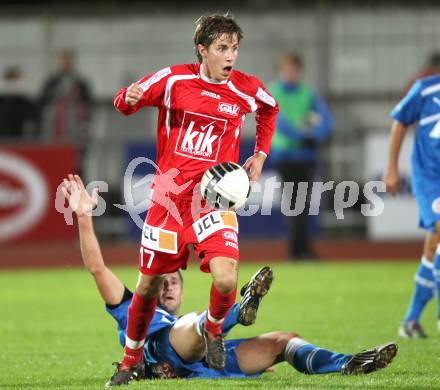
(157, 348)
(161, 321)
(421, 105)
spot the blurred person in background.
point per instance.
(66, 105)
(303, 123)
(17, 110)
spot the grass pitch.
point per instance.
(55, 333)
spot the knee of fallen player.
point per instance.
(149, 285)
(282, 338)
(279, 342)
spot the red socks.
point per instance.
(219, 305)
(140, 313)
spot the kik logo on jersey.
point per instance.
(200, 136)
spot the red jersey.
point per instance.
(200, 120)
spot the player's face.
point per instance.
(219, 57)
(171, 294)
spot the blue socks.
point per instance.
(436, 273)
(423, 290)
(308, 359)
(231, 318)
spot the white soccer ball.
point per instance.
(225, 186)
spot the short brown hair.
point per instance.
(292, 58)
(180, 276)
(211, 27)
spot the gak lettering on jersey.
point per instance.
(226, 108)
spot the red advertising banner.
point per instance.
(29, 178)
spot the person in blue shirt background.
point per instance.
(174, 345)
(303, 123)
(420, 106)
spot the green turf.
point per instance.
(55, 334)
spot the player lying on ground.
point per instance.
(175, 346)
(421, 106)
(201, 110)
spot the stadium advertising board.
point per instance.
(29, 177)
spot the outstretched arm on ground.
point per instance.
(82, 204)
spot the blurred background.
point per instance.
(62, 62)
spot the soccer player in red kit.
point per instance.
(201, 112)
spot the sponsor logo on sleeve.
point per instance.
(155, 78)
(265, 97)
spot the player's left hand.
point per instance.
(81, 203)
(254, 165)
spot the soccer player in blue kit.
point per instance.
(175, 346)
(421, 106)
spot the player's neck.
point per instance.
(206, 76)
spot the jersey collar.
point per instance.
(208, 80)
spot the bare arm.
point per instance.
(109, 286)
(391, 175)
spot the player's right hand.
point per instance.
(391, 179)
(133, 94)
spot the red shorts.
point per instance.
(167, 232)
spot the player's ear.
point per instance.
(202, 50)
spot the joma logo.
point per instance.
(210, 94)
